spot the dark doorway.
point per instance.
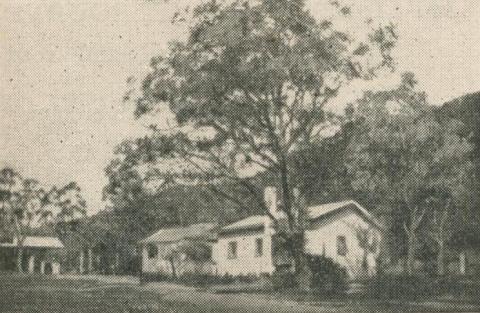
(37, 266)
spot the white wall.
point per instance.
(157, 264)
(322, 238)
(246, 261)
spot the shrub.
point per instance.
(202, 280)
(281, 280)
(154, 277)
(327, 276)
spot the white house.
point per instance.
(343, 231)
(169, 251)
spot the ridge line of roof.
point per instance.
(343, 204)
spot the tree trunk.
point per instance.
(19, 259)
(81, 262)
(172, 264)
(298, 261)
(90, 261)
(365, 266)
(441, 259)
(411, 255)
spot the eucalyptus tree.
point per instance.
(248, 90)
(27, 205)
(407, 160)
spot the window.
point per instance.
(152, 251)
(258, 247)
(232, 250)
(341, 245)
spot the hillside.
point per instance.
(467, 110)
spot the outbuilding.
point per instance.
(40, 254)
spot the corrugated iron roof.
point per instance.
(195, 231)
(37, 242)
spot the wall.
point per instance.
(157, 264)
(246, 262)
(321, 238)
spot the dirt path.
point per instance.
(238, 302)
(230, 302)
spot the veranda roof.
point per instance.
(37, 242)
(195, 231)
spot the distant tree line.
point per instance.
(27, 206)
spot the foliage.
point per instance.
(248, 91)
(403, 156)
(282, 280)
(197, 251)
(327, 276)
(26, 205)
(178, 254)
(466, 110)
(368, 242)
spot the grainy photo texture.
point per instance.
(239, 156)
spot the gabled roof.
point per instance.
(37, 242)
(328, 209)
(315, 213)
(195, 231)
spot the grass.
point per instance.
(22, 293)
(27, 293)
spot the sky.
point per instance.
(64, 67)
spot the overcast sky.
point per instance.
(64, 65)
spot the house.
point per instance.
(40, 254)
(179, 250)
(343, 231)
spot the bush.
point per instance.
(327, 276)
(154, 277)
(203, 280)
(281, 280)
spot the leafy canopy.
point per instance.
(248, 90)
(26, 204)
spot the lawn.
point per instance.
(43, 294)
(24, 293)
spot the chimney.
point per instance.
(270, 198)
